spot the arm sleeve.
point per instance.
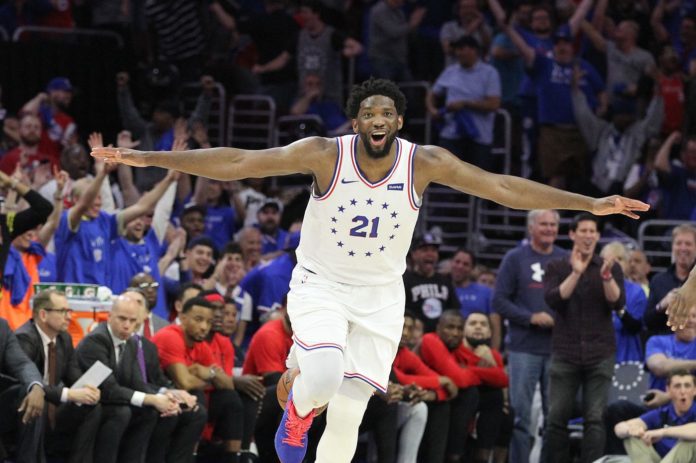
(163, 211)
(505, 289)
(28, 219)
(437, 357)
(552, 282)
(17, 363)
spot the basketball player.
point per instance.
(346, 299)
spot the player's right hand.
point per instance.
(127, 156)
(682, 301)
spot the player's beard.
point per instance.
(378, 154)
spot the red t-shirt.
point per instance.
(672, 91)
(172, 348)
(268, 349)
(223, 352)
(9, 161)
(410, 369)
(460, 364)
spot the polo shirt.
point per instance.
(667, 416)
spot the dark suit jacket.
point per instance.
(67, 371)
(13, 361)
(126, 379)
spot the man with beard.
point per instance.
(347, 295)
(428, 293)
(138, 248)
(85, 252)
(584, 291)
(28, 152)
(664, 283)
(459, 351)
(189, 362)
(59, 128)
(272, 236)
(151, 289)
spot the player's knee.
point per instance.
(321, 376)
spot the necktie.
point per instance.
(141, 358)
(52, 380)
(119, 353)
(146, 329)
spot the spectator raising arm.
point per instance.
(49, 228)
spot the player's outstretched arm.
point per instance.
(683, 300)
(435, 164)
(225, 163)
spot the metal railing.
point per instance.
(655, 239)
(417, 120)
(251, 122)
(21, 32)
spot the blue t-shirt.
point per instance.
(130, 258)
(667, 416)
(511, 71)
(251, 283)
(220, 224)
(272, 244)
(47, 269)
(629, 346)
(84, 256)
(670, 347)
(274, 283)
(474, 298)
(330, 113)
(542, 46)
(679, 193)
(519, 293)
(553, 84)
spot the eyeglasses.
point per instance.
(145, 285)
(62, 312)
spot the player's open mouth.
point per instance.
(378, 137)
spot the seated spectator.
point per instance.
(666, 434)
(661, 284)
(190, 363)
(73, 414)
(22, 402)
(676, 179)
(628, 322)
(471, 91)
(272, 236)
(421, 384)
(192, 220)
(59, 128)
(249, 239)
(311, 100)
(187, 291)
(197, 262)
(226, 279)
(28, 152)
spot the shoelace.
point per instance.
(295, 428)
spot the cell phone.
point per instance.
(648, 397)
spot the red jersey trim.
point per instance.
(336, 175)
(409, 177)
(320, 345)
(364, 378)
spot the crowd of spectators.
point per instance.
(602, 99)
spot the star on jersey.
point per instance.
(340, 244)
(351, 253)
(353, 202)
(396, 226)
(394, 214)
(334, 220)
(385, 206)
(334, 231)
(369, 201)
(368, 254)
(341, 208)
(381, 249)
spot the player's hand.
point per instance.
(449, 386)
(33, 404)
(250, 385)
(129, 157)
(619, 205)
(542, 319)
(682, 301)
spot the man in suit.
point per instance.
(109, 344)
(151, 290)
(73, 414)
(175, 436)
(20, 404)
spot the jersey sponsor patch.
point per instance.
(395, 187)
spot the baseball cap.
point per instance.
(272, 202)
(194, 208)
(59, 83)
(427, 239)
(563, 33)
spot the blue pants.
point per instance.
(526, 370)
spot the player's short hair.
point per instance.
(197, 301)
(185, 287)
(372, 87)
(585, 216)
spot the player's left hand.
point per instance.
(616, 204)
(681, 303)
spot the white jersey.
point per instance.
(358, 232)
